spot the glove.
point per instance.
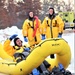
(27, 49)
(43, 36)
(60, 66)
(25, 39)
(35, 72)
(13, 36)
(60, 35)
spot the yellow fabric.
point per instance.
(56, 46)
(27, 30)
(3, 54)
(56, 27)
(10, 50)
(19, 49)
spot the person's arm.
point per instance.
(8, 48)
(60, 27)
(24, 30)
(43, 27)
(7, 45)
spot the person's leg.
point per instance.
(47, 65)
(43, 69)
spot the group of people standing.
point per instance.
(33, 32)
(51, 27)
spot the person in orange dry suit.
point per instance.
(52, 25)
(31, 29)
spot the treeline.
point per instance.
(14, 13)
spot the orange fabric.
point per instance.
(34, 33)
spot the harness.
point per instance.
(17, 48)
(52, 55)
(34, 30)
(51, 24)
(19, 56)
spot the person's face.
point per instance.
(50, 11)
(31, 14)
(19, 42)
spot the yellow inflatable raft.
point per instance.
(56, 46)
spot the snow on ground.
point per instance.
(69, 37)
(6, 33)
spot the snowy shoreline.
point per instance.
(68, 36)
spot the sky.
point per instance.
(58, 0)
(66, 1)
(69, 37)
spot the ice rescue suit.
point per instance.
(32, 30)
(51, 28)
(12, 49)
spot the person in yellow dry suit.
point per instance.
(18, 47)
(52, 26)
(31, 29)
(20, 52)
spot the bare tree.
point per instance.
(3, 16)
(65, 7)
(12, 13)
(46, 5)
(36, 6)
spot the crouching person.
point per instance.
(43, 68)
